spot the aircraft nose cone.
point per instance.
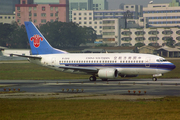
(172, 66)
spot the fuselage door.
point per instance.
(147, 62)
(53, 61)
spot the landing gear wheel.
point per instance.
(92, 78)
(154, 79)
(104, 79)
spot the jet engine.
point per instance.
(108, 73)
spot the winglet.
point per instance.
(38, 43)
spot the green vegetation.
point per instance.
(59, 34)
(139, 44)
(29, 71)
(55, 109)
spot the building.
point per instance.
(168, 52)
(7, 7)
(136, 10)
(109, 22)
(111, 30)
(86, 5)
(149, 49)
(46, 1)
(42, 13)
(8, 18)
(100, 5)
(7, 10)
(79, 5)
(111, 50)
(163, 14)
(149, 36)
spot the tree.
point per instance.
(170, 42)
(58, 34)
(139, 44)
(19, 37)
(61, 34)
(5, 32)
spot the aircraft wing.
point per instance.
(89, 70)
(27, 56)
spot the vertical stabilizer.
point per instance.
(38, 43)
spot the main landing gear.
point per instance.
(92, 78)
(154, 78)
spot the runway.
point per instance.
(162, 87)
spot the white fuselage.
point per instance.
(125, 63)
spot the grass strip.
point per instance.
(20, 109)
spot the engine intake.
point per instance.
(108, 73)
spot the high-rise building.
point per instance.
(100, 5)
(163, 14)
(42, 13)
(79, 5)
(86, 5)
(7, 10)
(46, 1)
(8, 6)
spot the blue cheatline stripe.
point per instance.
(166, 66)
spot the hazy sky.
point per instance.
(114, 4)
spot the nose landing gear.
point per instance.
(154, 78)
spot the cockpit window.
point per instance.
(157, 60)
(161, 60)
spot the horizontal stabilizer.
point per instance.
(35, 57)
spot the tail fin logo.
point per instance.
(36, 39)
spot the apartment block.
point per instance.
(163, 14)
(42, 13)
(86, 5)
(149, 36)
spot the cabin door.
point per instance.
(147, 62)
(53, 61)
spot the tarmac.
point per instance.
(127, 89)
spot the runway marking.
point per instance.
(117, 84)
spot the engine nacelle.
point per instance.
(108, 73)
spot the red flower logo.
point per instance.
(36, 39)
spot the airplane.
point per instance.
(103, 65)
